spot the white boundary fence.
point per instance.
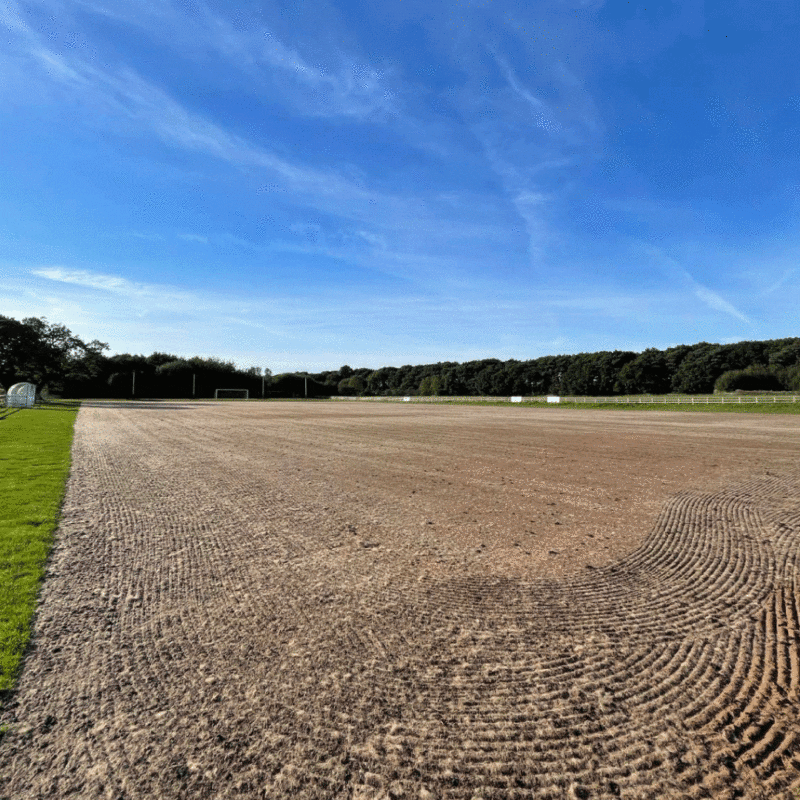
(720, 399)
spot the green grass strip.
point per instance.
(35, 448)
(710, 408)
(701, 407)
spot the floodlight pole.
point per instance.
(306, 379)
(133, 385)
(262, 386)
(194, 375)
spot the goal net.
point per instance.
(221, 394)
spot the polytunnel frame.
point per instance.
(21, 395)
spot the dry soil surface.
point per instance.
(348, 600)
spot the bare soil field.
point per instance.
(319, 600)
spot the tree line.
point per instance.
(60, 363)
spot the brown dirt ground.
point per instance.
(412, 601)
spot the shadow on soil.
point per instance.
(146, 405)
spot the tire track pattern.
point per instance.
(209, 630)
(675, 672)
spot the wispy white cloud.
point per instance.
(81, 296)
(377, 241)
(713, 300)
(121, 94)
(11, 16)
(602, 303)
(345, 86)
(147, 237)
(126, 96)
(708, 296)
(542, 113)
(529, 206)
(533, 145)
(161, 294)
(782, 281)
(193, 237)
(415, 231)
(351, 89)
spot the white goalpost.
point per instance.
(220, 394)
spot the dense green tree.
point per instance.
(535, 378)
(291, 384)
(157, 359)
(177, 367)
(790, 376)
(753, 378)
(126, 361)
(51, 356)
(744, 354)
(46, 354)
(648, 373)
(594, 373)
(120, 381)
(430, 385)
(215, 365)
(699, 370)
(675, 356)
(379, 381)
(786, 356)
(490, 378)
(120, 384)
(175, 379)
(578, 377)
(353, 385)
(455, 380)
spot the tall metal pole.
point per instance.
(133, 385)
(194, 375)
(306, 385)
(262, 386)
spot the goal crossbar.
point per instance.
(244, 393)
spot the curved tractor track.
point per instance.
(272, 601)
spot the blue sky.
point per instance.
(300, 185)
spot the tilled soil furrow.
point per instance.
(383, 602)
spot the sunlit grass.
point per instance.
(34, 466)
(698, 406)
(713, 408)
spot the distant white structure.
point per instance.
(516, 399)
(406, 399)
(21, 395)
(553, 398)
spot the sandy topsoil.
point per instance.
(357, 600)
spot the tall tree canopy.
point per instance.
(45, 354)
(51, 356)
